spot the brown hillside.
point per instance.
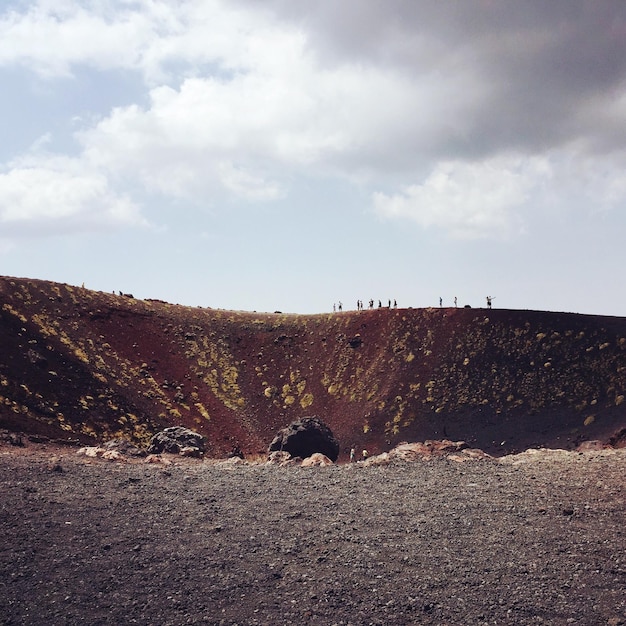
(80, 364)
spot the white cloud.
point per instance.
(159, 38)
(51, 37)
(247, 98)
(469, 200)
(46, 194)
(271, 123)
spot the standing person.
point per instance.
(364, 455)
(352, 453)
(395, 304)
(380, 304)
(455, 302)
(340, 306)
(489, 298)
(334, 308)
(389, 304)
(440, 302)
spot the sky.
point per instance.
(287, 155)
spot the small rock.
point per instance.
(590, 446)
(279, 457)
(54, 465)
(316, 460)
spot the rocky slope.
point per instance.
(85, 365)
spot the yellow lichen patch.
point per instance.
(85, 429)
(270, 392)
(77, 350)
(46, 327)
(409, 357)
(333, 390)
(372, 392)
(589, 420)
(222, 375)
(289, 400)
(306, 400)
(366, 427)
(202, 410)
(62, 423)
(9, 309)
(618, 400)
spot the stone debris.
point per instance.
(316, 460)
(593, 445)
(125, 447)
(54, 465)
(157, 458)
(191, 451)
(175, 439)
(457, 451)
(93, 452)
(282, 459)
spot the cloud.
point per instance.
(462, 117)
(541, 74)
(50, 38)
(161, 39)
(469, 200)
(47, 194)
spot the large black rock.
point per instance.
(175, 439)
(305, 437)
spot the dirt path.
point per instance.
(532, 539)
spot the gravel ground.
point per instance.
(532, 539)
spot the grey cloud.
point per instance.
(545, 73)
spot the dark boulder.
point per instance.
(305, 437)
(175, 439)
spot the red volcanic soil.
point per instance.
(88, 366)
